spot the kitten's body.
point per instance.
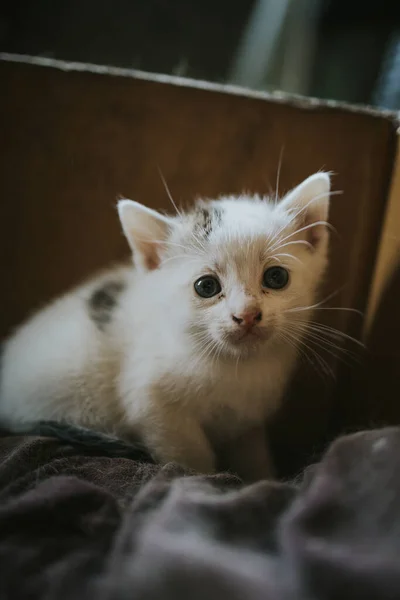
(137, 350)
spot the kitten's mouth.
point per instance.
(252, 336)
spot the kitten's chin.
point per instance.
(248, 344)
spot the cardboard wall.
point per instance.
(74, 138)
(388, 257)
(374, 389)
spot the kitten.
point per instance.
(192, 348)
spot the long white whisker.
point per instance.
(318, 343)
(278, 175)
(326, 369)
(221, 346)
(275, 257)
(295, 343)
(236, 368)
(334, 331)
(352, 310)
(288, 256)
(331, 349)
(178, 212)
(316, 305)
(201, 337)
(297, 213)
(198, 241)
(207, 348)
(314, 199)
(165, 243)
(318, 335)
(305, 228)
(295, 242)
(182, 256)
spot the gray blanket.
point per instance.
(86, 525)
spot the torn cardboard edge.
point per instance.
(304, 102)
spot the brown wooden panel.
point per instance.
(72, 141)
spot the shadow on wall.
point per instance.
(381, 389)
(367, 395)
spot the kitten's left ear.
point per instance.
(310, 201)
(146, 230)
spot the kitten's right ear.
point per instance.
(146, 230)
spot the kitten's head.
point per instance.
(246, 267)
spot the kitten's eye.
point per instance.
(207, 286)
(275, 278)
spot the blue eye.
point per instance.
(207, 286)
(275, 278)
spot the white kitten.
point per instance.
(193, 348)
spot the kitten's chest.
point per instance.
(229, 400)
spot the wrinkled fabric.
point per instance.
(83, 527)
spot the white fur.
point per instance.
(170, 364)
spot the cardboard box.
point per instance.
(74, 137)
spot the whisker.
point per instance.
(178, 212)
(288, 256)
(214, 351)
(326, 369)
(305, 228)
(166, 243)
(201, 338)
(275, 257)
(221, 345)
(319, 343)
(198, 241)
(296, 214)
(182, 256)
(317, 334)
(333, 331)
(317, 304)
(208, 350)
(204, 351)
(353, 310)
(200, 334)
(290, 342)
(294, 343)
(295, 242)
(278, 175)
(236, 368)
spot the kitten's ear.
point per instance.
(146, 230)
(310, 201)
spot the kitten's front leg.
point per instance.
(248, 456)
(174, 437)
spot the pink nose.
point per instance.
(248, 318)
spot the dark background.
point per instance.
(356, 56)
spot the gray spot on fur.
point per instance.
(103, 301)
(207, 218)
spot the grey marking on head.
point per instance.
(207, 217)
(103, 301)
